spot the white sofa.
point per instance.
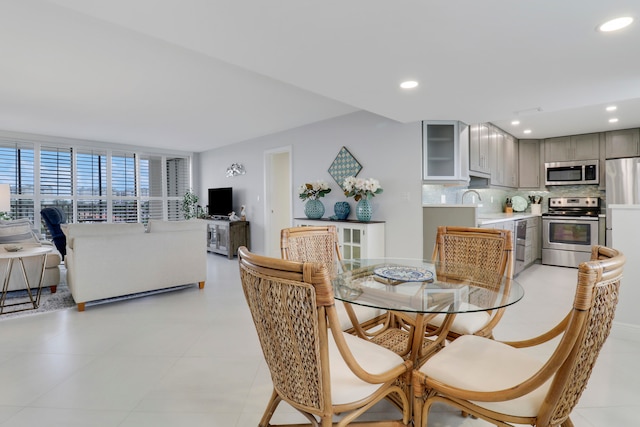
(20, 232)
(111, 260)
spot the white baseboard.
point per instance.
(625, 331)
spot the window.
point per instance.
(92, 184)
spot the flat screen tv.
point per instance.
(220, 201)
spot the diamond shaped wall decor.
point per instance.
(343, 166)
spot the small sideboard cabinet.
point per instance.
(356, 239)
(225, 237)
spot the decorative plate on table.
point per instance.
(404, 274)
(12, 248)
(519, 204)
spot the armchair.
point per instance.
(53, 217)
(501, 383)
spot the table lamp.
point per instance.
(5, 199)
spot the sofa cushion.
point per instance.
(156, 225)
(17, 231)
(100, 229)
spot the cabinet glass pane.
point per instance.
(440, 150)
(346, 235)
(356, 237)
(346, 252)
(356, 252)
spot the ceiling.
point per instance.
(199, 74)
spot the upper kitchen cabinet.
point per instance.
(575, 147)
(622, 143)
(529, 164)
(445, 151)
(503, 153)
(479, 150)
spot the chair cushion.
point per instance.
(17, 231)
(362, 313)
(475, 363)
(465, 323)
(346, 387)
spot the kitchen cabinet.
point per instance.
(479, 149)
(356, 239)
(622, 143)
(529, 170)
(504, 158)
(575, 147)
(225, 237)
(445, 151)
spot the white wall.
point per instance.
(388, 151)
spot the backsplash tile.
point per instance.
(493, 199)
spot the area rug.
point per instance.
(63, 300)
(49, 302)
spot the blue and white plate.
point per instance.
(404, 274)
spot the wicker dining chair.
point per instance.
(320, 244)
(318, 369)
(502, 383)
(482, 253)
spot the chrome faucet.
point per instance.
(470, 191)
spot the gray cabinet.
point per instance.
(503, 152)
(225, 237)
(479, 149)
(445, 151)
(622, 143)
(575, 147)
(529, 170)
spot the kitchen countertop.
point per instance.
(491, 218)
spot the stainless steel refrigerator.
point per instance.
(622, 186)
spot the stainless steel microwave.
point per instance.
(572, 173)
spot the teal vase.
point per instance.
(314, 209)
(342, 210)
(363, 210)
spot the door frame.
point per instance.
(271, 234)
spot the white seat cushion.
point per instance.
(475, 363)
(465, 323)
(346, 387)
(362, 313)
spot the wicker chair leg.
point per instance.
(271, 408)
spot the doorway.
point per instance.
(277, 197)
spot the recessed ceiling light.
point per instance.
(515, 122)
(527, 131)
(409, 84)
(612, 108)
(615, 24)
(613, 120)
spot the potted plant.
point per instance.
(311, 192)
(361, 190)
(189, 205)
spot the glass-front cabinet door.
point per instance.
(445, 151)
(351, 243)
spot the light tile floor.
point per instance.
(191, 358)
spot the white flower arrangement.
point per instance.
(313, 190)
(359, 188)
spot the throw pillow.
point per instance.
(17, 231)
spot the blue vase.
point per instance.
(363, 210)
(314, 209)
(342, 210)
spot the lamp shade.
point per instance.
(5, 198)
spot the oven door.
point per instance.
(569, 234)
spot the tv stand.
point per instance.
(220, 217)
(225, 237)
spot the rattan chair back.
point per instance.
(311, 244)
(292, 306)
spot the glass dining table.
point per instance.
(417, 291)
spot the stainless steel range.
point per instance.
(569, 229)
